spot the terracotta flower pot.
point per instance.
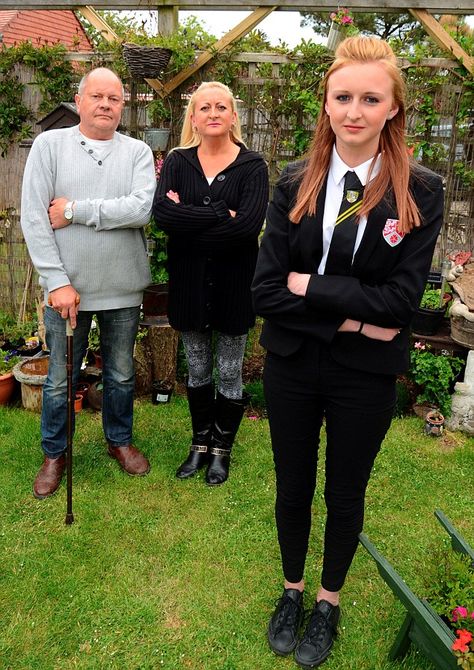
(97, 359)
(77, 403)
(82, 389)
(7, 386)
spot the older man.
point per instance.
(87, 194)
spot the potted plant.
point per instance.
(157, 134)
(153, 56)
(463, 646)
(433, 375)
(12, 334)
(431, 311)
(8, 360)
(340, 22)
(155, 296)
(448, 589)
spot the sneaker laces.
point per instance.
(288, 614)
(317, 627)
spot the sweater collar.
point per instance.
(89, 145)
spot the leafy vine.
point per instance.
(54, 76)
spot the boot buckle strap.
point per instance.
(215, 451)
(201, 448)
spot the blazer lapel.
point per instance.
(373, 231)
(312, 235)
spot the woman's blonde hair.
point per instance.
(190, 137)
(394, 174)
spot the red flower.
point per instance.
(462, 641)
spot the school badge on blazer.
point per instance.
(391, 234)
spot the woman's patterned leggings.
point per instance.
(229, 358)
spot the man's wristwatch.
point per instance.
(68, 211)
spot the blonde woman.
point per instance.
(345, 256)
(211, 201)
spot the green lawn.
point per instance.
(161, 573)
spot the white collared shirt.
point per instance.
(334, 194)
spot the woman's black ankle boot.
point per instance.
(201, 406)
(229, 413)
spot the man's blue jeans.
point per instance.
(118, 330)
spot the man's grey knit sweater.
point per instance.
(102, 254)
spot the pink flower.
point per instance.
(460, 613)
(341, 17)
(419, 345)
(158, 165)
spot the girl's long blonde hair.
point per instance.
(191, 138)
(395, 165)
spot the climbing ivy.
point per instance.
(54, 76)
(14, 115)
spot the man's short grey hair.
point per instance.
(83, 82)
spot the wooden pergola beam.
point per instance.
(236, 33)
(379, 6)
(431, 25)
(98, 22)
(443, 38)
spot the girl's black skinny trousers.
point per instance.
(301, 391)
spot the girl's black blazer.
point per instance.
(387, 280)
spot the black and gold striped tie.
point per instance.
(341, 249)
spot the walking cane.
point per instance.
(70, 415)
(70, 419)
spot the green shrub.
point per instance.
(448, 580)
(433, 374)
(8, 360)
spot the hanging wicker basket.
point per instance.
(145, 62)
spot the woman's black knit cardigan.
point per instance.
(211, 255)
